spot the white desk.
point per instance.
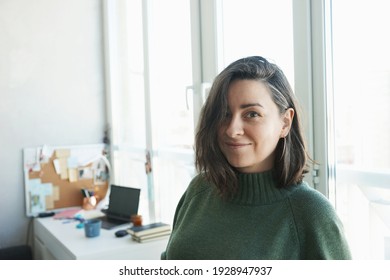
(54, 239)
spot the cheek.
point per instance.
(266, 135)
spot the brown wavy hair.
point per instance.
(290, 164)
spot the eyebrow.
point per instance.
(243, 106)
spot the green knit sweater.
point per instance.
(261, 222)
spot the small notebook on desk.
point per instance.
(123, 202)
(149, 232)
(149, 229)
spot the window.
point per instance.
(258, 27)
(127, 102)
(171, 112)
(150, 69)
(361, 96)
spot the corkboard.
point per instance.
(63, 193)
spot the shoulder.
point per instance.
(319, 228)
(197, 186)
(308, 197)
(309, 204)
(193, 194)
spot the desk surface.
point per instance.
(65, 241)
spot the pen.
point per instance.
(86, 193)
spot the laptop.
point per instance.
(123, 202)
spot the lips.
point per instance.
(234, 145)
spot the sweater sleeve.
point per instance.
(320, 231)
(196, 186)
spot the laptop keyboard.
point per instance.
(108, 223)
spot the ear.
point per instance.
(287, 119)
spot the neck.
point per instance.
(258, 189)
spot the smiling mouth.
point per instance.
(237, 145)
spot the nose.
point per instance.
(234, 127)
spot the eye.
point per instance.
(252, 114)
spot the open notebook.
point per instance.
(123, 202)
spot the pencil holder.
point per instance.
(89, 203)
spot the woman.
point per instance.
(248, 200)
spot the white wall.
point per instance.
(51, 90)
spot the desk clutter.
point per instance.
(138, 232)
(60, 239)
(149, 232)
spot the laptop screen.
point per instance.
(123, 201)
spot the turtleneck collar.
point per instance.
(258, 189)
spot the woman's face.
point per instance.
(253, 127)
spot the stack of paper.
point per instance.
(149, 232)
